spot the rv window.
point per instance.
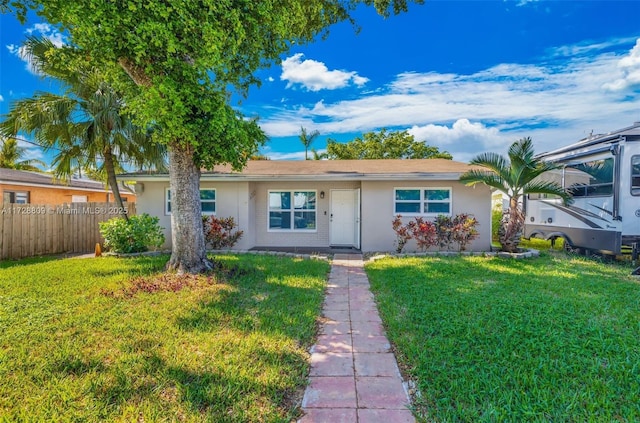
(589, 179)
(635, 175)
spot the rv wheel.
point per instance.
(568, 247)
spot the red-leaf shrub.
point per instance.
(403, 234)
(219, 232)
(464, 230)
(443, 232)
(424, 232)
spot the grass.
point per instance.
(496, 340)
(112, 339)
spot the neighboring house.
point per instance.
(22, 187)
(326, 203)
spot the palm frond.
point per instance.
(491, 179)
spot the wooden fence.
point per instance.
(28, 230)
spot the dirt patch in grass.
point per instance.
(174, 282)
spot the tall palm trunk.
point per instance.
(188, 250)
(511, 226)
(111, 179)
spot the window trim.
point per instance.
(423, 200)
(13, 196)
(215, 201)
(293, 211)
(589, 159)
(635, 192)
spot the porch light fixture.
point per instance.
(321, 194)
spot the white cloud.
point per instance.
(1, 97)
(48, 31)
(43, 30)
(554, 103)
(583, 48)
(629, 71)
(315, 76)
(31, 152)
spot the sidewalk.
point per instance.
(354, 375)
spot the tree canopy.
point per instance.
(384, 145)
(175, 63)
(12, 156)
(85, 124)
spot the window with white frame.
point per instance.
(422, 201)
(292, 210)
(16, 197)
(207, 199)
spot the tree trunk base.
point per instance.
(175, 264)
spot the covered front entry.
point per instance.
(344, 226)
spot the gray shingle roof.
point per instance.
(22, 177)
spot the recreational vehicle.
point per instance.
(602, 173)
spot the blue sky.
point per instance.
(465, 76)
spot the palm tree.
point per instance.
(514, 177)
(307, 140)
(11, 157)
(319, 156)
(86, 124)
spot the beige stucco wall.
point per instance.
(317, 238)
(232, 200)
(247, 203)
(378, 212)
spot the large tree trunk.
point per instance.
(188, 252)
(111, 179)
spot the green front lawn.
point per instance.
(112, 339)
(555, 338)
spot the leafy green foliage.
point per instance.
(176, 62)
(132, 235)
(219, 232)
(119, 340)
(514, 176)
(12, 156)
(85, 126)
(489, 340)
(384, 145)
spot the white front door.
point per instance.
(345, 217)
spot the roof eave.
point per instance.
(440, 176)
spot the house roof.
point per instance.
(259, 170)
(26, 178)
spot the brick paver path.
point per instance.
(354, 375)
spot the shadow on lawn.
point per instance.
(218, 394)
(25, 262)
(254, 305)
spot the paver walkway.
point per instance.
(354, 375)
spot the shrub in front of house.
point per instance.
(424, 232)
(464, 230)
(403, 233)
(135, 235)
(443, 232)
(219, 232)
